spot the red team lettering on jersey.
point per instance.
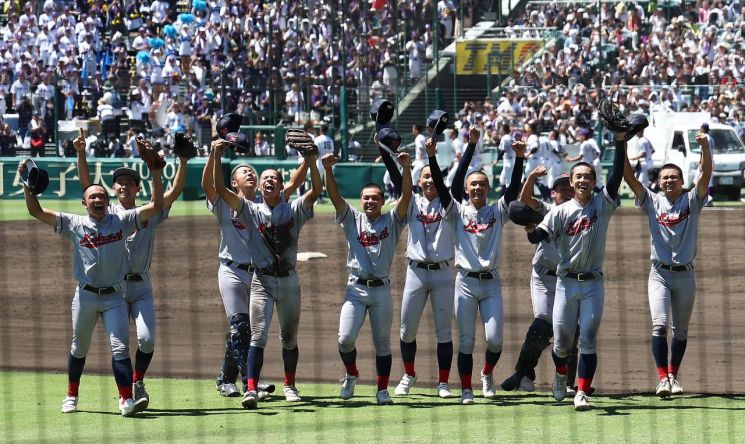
(89, 241)
(368, 240)
(579, 225)
(427, 219)
(474, 227)
(237, 224)
(670, 220)
(272, 230)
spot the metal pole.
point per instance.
(344, 130)
(436, 50)
(488, 75)
(455, 82)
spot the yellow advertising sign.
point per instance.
(473, 56)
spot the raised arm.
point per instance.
(225, 194)
(178, 184)
(526, 194)
(402, 205)
(47, 216)
(456, 189)
(315, 181)
(614, 180)
(434, 169)
(706, 166)
(208, 177)
(339, 203)
(628, 175)
(83, 173)
(390, 165)
(513, 189)
(296, 179)
(156, 205)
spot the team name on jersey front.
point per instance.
(367, 239)
(671, 219)
(474, 227)
(581, 224)
(100, 239)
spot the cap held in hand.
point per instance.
(438, 121)
(35, 178)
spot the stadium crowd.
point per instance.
(160, 64)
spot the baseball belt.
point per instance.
(551, 273)
(99, 290)
(245, 267)
(134, 277)
(429, 266)
(274, 273)
(581, 277)
(481, 275)
(676, 268)
(370, 283)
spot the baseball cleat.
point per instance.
(571, 391)
(527, 384)
(466, 398)
(443, 390)
(250, 400)
(229, 390)
(559, 387)
(291, 394)
(487, 386)
(127, 407)
(675, 388)
(581, 402)
(263, 396)
(403, 387)
(383, 397)
(663, 389)
(70, 404)
(511, 383)
(142, 399)
(347, 386)
(264, 387)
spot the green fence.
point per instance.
(64, 183)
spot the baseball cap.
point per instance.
(705, 126)
(438, 121)
(389, 138)
(238, 141)
(522, 214)
(229, 123)
(563, 178)
(124, 171)
(381, 111)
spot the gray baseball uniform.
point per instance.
(543, 275)
(236, 271)
(275, 255)
(580, 233)
(99, 265)
(591, 154)
(672, 282)
(430, 252)
(372, 245)
(478, 287)
(139, 289)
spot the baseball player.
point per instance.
(699, 172)
(645, 159)
(100, 266)
(542, 285)
(536, 147)
(589, 152)
(508, 156)
(372, 237)
(139, 247)
(555, 155)
(673, 222)
(430, 253)
(478, 233)
(237, 245)
(579, 228)
(275, 225)
(420, 150)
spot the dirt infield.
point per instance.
(37, 287)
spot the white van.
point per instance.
(673, 137)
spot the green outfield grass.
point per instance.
(192, 411)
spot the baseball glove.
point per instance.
(153, 160)
(183, 146)
(612, 118)
(301, 141)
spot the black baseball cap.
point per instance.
(438, 121)
(563, 178)
(389, 138)
(124, 171)
(238, 141)
(229, 123)
(381, 111)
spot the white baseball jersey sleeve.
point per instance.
(581, 232)
(99, 250)
(674, 226)
(372, 244)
